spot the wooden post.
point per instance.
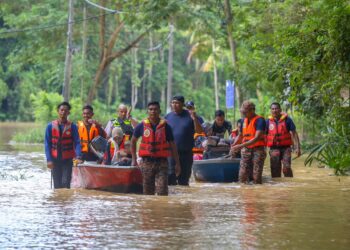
(69, 50)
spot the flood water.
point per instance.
(309, 211)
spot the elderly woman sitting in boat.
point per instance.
(118, 150)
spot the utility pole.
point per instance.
(69, 50)
(170, 68)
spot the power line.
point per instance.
(52, 25)
(104, 8)
(171, 28)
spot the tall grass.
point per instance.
(31, 135)
(333, 151)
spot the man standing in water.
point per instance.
(281, 133)
(184, 124)
(124, 121)
(157, 144)
(252, 146)
(62, 144)
(89, 129)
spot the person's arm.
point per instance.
(296, 142)
(175, 156)
(134, 122)
(138, 131)
(229, 127)
(133, 151)
(197, 125)
(260, 132)
(108, 129)
(101, 131)
(76, 141)
(237, 140)
(173, 149)
(48, 146)
(258, 135)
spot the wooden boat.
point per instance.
(216, 170)
(120, 179)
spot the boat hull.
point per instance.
(120, 179)
(216, 170)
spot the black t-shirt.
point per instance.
(220, 131)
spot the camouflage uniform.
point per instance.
(279, 156)
(252, 164)
(155, 175)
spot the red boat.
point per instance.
(120, 179)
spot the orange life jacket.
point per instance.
(154, 143)
(85, 137)
(249, 131)
(278, 134)
(198, 150)
(63, 142)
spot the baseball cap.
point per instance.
(189, 104)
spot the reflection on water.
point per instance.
(310, 211)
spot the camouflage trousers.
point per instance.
(278, 157)
(155, 176)
(252, 164)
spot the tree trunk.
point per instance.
(163, 89)
(83, 52)
(68, 60)
(109, 57)
(150, 71)
(215, 77)
(170, 70)
(102, 24)
(232, 44)
(134, 77)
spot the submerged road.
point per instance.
(310, 211)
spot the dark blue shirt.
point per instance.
(48, 141)
(183, 129)
(289, 124)
(138, 131)
(260, 125)
(200, 119)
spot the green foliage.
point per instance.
(45, 106)
(333, 152)
(33, 135)
(3, 90)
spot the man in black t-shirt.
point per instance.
(220, 125)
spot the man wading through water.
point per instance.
(281, 134)
(253, 144)
(157, 144)
(184, 124)
(62, 144)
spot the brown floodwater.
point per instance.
(309, 211)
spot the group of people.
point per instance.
(165, 152)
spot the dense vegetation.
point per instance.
(296, 52)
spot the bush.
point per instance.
(333, 150)
(34, 135)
